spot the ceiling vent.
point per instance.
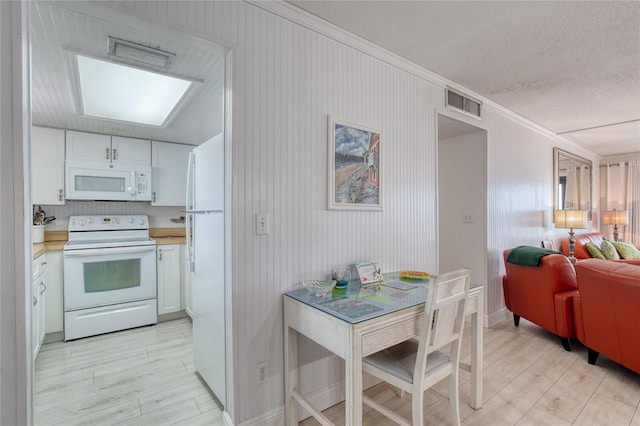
(463, 104)
(140, 54)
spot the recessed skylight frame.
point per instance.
(118, 96)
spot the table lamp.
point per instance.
(615, 217)
(570, 219)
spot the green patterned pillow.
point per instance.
(609, 251)
(626, 250)
(594, 251)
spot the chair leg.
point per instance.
(417, 416)
(566, 344)
(453, 398)
(516, 320)
(592, 356)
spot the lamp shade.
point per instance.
(570, 219)
(615, 217)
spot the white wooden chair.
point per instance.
(442, 325)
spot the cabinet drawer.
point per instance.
(380, 339)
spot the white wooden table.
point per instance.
(352, 341)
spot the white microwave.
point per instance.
(86, 180)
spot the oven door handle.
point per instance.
(110, 250)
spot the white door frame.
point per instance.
(16, 387)
(16, 368)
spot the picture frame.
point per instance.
(354, 166)
(369, 272)
(548, 244)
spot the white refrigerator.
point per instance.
(205, 250)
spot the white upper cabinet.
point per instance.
(169, 163)
(88, 146)
(105, 148)
(129, 150)
(47, 166)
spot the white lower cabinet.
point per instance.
(53, 275)
(169, 265)
(187, 282)
(38, 296)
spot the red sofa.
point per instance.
(606, 310)
(542, 294)
(580, 251)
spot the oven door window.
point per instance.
(111, 275)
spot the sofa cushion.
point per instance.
(594, 251)
(609, 251)
(626, 250)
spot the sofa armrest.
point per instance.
(577, 318)
(563, 306)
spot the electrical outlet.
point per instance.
(468, 217)
(262, 223)
(261, 372)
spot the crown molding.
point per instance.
(318, 25)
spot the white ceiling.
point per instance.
(572, 67)
(83, 27)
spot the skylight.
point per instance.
(118, 92)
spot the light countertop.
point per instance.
(55, 240)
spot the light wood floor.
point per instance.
(143, 376)
(529, 379)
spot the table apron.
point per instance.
(322, 328)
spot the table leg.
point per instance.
(476, 354)
(353, 384)
(290, 374)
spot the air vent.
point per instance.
(140, 54)
(463, 103)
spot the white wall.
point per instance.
(286, 79)
(462, 188)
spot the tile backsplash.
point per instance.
(159, 217)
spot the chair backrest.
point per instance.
(444, 316)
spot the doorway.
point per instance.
(462, 197)
(73, 26)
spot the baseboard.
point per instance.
(498, 316)
(323, 399)
(172, 316)
(56, 336)
(226, 419)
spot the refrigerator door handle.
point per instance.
(190, 246)
(190, 183)
(189, 215)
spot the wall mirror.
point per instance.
(572, 177)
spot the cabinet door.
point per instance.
(88, 146)
(47, 166)
(187, 282)
(169, 173)
(129, 150)
(42, 304)
(168, 260)
(37, 304)
(53, 277)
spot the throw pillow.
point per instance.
(609, 251)
(594, 251)
(626, 250)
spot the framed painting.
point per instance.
(355, 169)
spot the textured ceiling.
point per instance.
(568, 66)
(57, 29)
